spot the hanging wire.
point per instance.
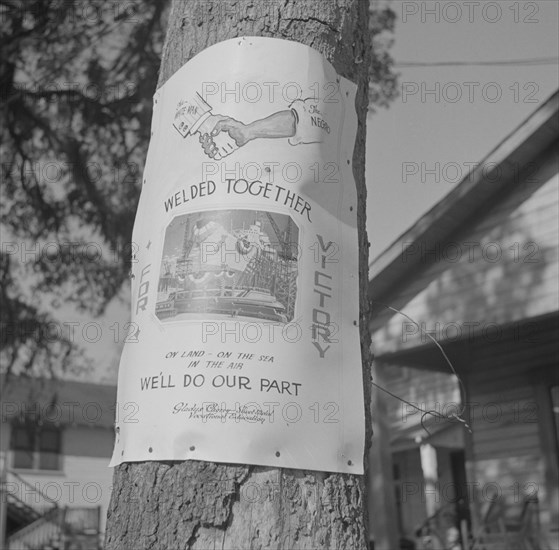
(455, 415)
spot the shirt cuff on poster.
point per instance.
(310, 126)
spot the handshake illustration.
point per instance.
(195, 117)
(221, 135)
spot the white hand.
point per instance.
(217, 146)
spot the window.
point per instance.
(36, 447)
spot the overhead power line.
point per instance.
(509, 62)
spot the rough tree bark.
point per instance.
(201, 505)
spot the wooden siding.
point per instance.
(509, 419)
(520, 285)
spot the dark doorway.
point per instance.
(458, 467)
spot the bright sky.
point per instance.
(466, 118)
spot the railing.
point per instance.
(39, 502)
(48, 524)
(42, 532)
(498, 531)
(57, 527)
(439, 531)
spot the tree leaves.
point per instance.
(77, 80)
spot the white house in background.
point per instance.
(479, 272)
(56, 441)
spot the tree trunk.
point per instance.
(199, 505)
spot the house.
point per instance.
(56, 441)
(479, 274)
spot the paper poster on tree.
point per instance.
(246, 345)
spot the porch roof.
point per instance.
(58, 401)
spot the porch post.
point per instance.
(428, 455)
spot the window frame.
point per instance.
(40, 456)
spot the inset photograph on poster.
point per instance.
(229, 264)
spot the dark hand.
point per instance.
(237, 130)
